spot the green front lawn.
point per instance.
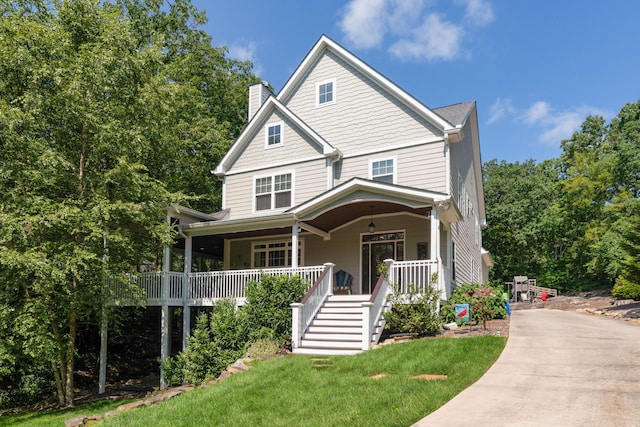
(374, 388)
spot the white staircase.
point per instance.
(337, 327)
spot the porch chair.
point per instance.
(342, 282)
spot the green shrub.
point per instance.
(414, 312)
(626, 289)
(269, 305)
(221, 338)
(485, 302)
(263, 347)
(217, 341)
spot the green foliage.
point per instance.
(108, 111)
(220, 339)
(26, 386)
(217, 341)
(627, 285)
(414, 312)
(263, 347)
(562, 221)
(485, 302)
(626, 289)
(268, 308)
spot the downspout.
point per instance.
(447, 162)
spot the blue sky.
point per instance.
(537, 68)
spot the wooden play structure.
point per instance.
(524, 289)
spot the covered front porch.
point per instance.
(347, 232)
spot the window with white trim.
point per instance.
(326, 92)
(273, 192)
(274, 135)
(274, 254)
(383, 170)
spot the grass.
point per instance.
(338, 390)
(310, 391)
(57, 417)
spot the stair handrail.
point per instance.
(304, 311)
(372, 310)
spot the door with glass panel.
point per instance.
(377, 247)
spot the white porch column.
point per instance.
(102, 381)
(186, 309)
(294, 245)
(434, 239)
(164, 321)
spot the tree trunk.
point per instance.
(70, 359)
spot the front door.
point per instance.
(375, 249)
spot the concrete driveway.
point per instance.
(559, 368)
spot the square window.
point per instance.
(326, 92)
(274, 135)
(383, 171)
(273, 192)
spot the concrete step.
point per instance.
(351, 298)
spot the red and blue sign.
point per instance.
(462, 313)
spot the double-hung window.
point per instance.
(383, 170)
(274, 135)
(326, 92)
(273, 192)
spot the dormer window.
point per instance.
(274, 135)
(326, 92)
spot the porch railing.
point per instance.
(416, 274)
(132, 288)
(202, 288)
(304, 311)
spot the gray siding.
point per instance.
(295, 145)
(363, 118)
(309, 180)
(464, 233)
(421, 166)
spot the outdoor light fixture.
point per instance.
(372, 226)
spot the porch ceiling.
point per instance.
(344, 214)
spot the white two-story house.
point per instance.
(339, 171)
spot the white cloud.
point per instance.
(246, 52)
(479, 12)
(434, 39)
(563, 124)
(413, 29)
(551, 125)
(364, 22)
(500, 110)
(538, 112)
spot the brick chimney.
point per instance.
(258, 93)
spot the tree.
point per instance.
(564, 220)
(627, 284)
(102, 107)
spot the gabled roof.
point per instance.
(324, 44)
(270, 105)
(456, 114)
